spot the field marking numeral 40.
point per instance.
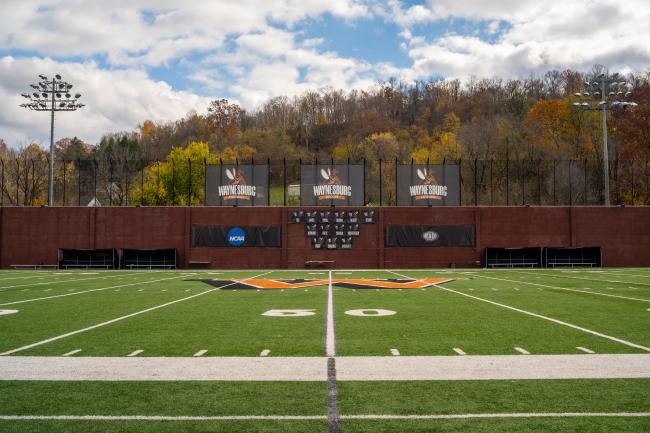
(366, 312)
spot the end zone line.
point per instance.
(550, 319)
(567, 289)
(90, 290)
(117, 319)
(321, 417)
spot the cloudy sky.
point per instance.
(158, 59)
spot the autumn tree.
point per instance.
(179, 179)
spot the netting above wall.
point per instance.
(88, 182)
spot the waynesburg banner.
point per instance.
(428, 185)
(332, 184)
(237, 185)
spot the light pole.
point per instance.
(610, 92)
(52, 95)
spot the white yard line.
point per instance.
(585, 350)
(600, 280)
(501, 415)
(348, 368)
(135, 353)
(459, 351)
(394, 352)
(550, 319)
(200, 353)
(59, 282)
(492, 367)
(522, 350)
(91, 290)
(153, 368)
(195, 418)
(567, 289)
(265, 352)
(330, 339)
(72, 352)
(163, 418)
(117, 319)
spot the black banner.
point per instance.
(237, 185)
(428, 185)
(224, 236)
(332, 184)
(430, 236)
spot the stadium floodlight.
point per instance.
(51, 99)
(609, 86)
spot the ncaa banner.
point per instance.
(232, 236)
(332, 184)
(428, 185)
(237, 185)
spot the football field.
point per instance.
(441, 350)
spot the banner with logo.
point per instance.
(231, 236)
(430, 236)
(332, 184)
(428, 185)
(237, 185)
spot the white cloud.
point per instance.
(537, 36)
(115, 101)
(149, 32)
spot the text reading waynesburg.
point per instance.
(331, 187)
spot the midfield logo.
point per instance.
(350, 283)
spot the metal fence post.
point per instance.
(584, 201)
(95, 178)
(158, 183)
(64, 170)
(618, 184)
(522, 168)
(460, 181)
(268, 181)
(475, 181)
(632, 180)
(2, 187)
(173, 183)
(205, 181)
(647, 183)
(125, 169)
(17, 181)
(189, 187)
(507, 180)
(570, 184)
(554, 196)
(539, 182)
(284, 181)
(380, 183)
(110, 181)
(491, 182)
(143, 165)
(365, 199)
(79, 182)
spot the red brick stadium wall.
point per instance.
(33, 235)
